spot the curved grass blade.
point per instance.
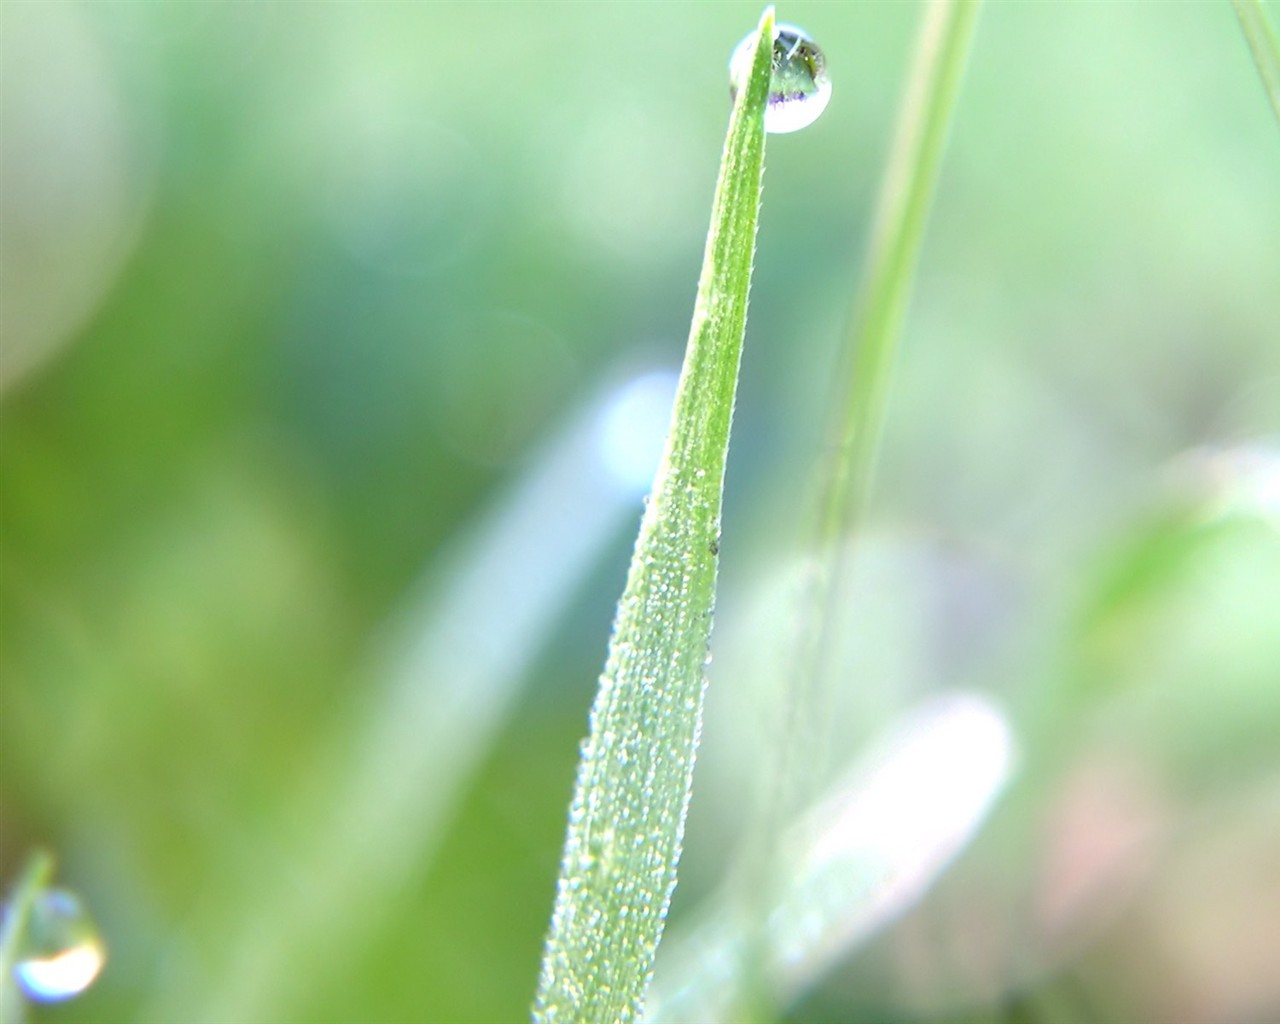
(626, 822)
(857, 859)
(373, 810)
(1261, 36)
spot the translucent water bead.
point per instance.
(799, 88)
(61, 952)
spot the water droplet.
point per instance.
(61, 951)
(799, 88)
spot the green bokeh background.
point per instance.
(292, 291)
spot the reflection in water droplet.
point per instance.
(799, 88)
(61, 952)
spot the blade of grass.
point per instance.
(1261, 37)
(14, 916)
(863, 854)
(626, 821)
(906, 192)
(374, 808)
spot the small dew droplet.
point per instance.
(62, 952)
(799, 88)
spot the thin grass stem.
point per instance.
(1261, 37)
(36, 876)
(906, 194)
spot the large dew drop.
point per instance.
(61, 951)
(799, 88)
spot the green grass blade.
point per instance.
(906, 194)
(433, 702)
(880, 835)
(627, 818)
(1261, 36)
(35, 878)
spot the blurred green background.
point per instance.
(293, 293)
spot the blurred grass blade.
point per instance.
(906, 193)
(439, 691)
(1261, 36)
(860, 857)
(15, 915)
(627, 818)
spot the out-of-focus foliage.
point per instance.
(290, 294)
